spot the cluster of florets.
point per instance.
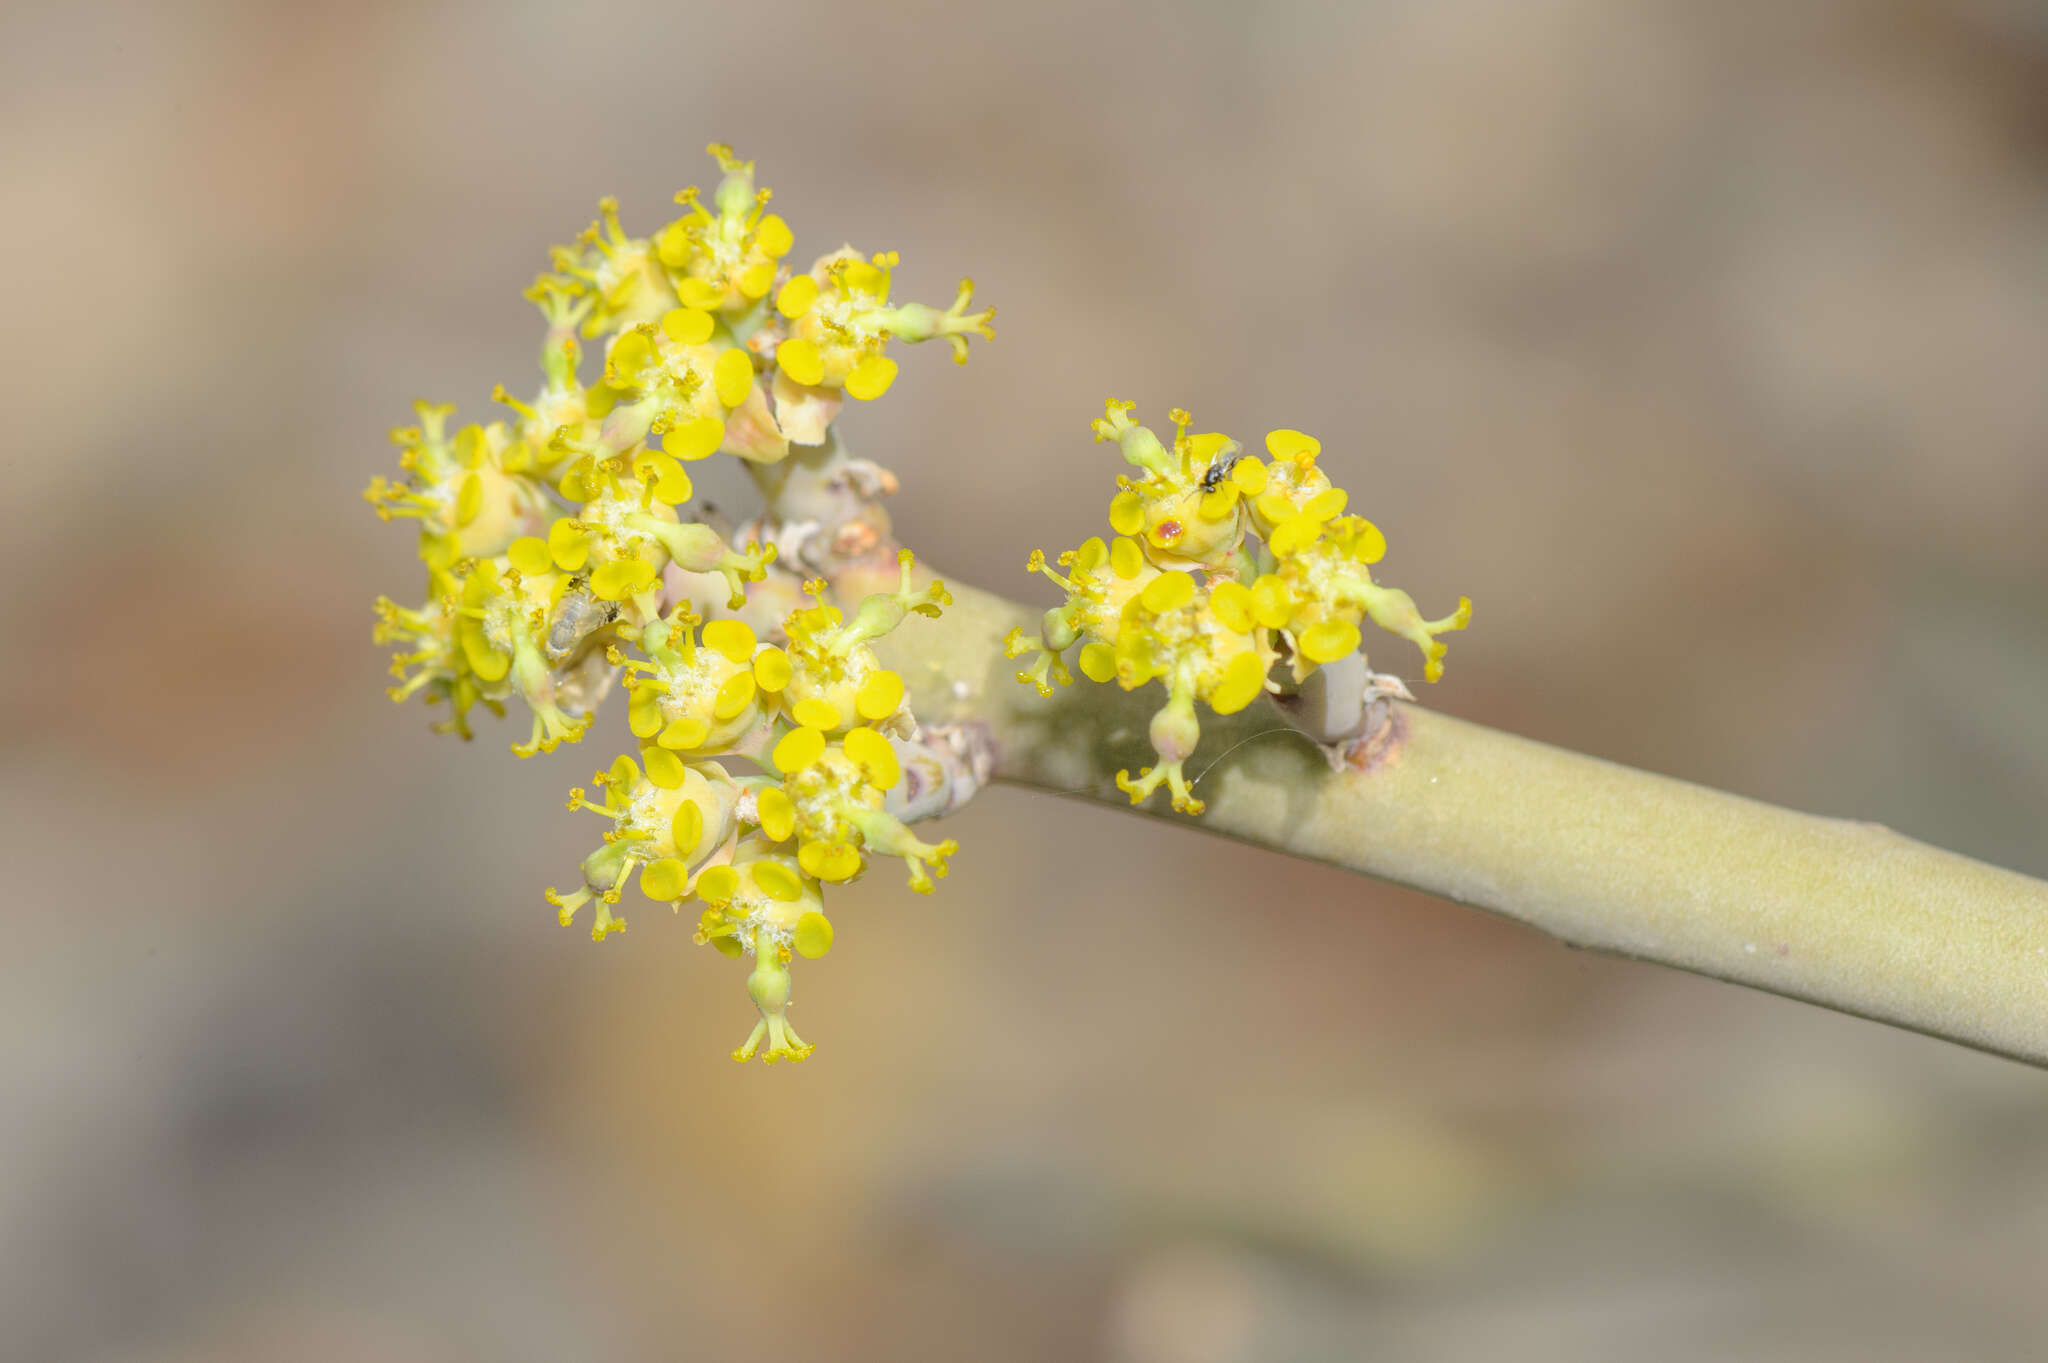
(818, 719)
(554, 542)
(1224, 571)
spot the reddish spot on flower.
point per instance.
(1167, 533)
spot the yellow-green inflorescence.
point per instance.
(556, 552)
(1225, 570)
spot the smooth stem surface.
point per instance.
(1848, 915)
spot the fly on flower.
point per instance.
(1229, 578)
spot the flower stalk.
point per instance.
(1847, 915)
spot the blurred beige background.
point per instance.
(1701, 344)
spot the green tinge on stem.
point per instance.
(1847, 915)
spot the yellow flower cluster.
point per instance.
(554, 542)
(817, 717)
(1185, 595)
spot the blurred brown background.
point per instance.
(1701, 344)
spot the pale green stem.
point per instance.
(1848, 915)
(821, 484)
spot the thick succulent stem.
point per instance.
(1847, 915)
(832, 500)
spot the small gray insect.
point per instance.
(577, 616)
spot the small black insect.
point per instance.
(1220, 470)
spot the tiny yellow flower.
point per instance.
(697, 699)
(1185, 596)
(725, 260)
(619, 276)
(472, 493)
(839, 319)
(505, 628)
(1183, 510)
(765, 905)
(836, 681)
(675, 822)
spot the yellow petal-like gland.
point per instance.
(1098, 662)
(798, 749)
(1202, 448)
(871, 377)
(483, 582)
(771, 669)
(1126, 559)
(569, 545)
(631, 359)
(575, 481)
(621, 578)
(1092, 554)
(860, 276)
(1167, 533)
(800, 360)
(623, 776)
(1326, 504)
(1273, 504)
(672, 243)
(699, 293)
(1234, 605)
(731, 638)
(776, 812)
(530, 555)
(488, 664)
(728, 945)
(697, 438)
(1126, 513)
(1295, 534)
(1134, 665)
(797, 297)
(773, 235)
(663, 880)
(829, 861)
(664, 768)
(1328, 640)
(1272, 603)
(1368, 544)
(686, 828)
(1168, 592)
(879, 695)
(671, 484)
(1216, 505)
(776, 881)
(1248, 476)
(1287, 444)
(734, 696)
(757, 279)
(718, 885)
(684, 734)
(687, 326)
(732, 374)
(813, 936)
(816, 714)
(469, 499)
(1242, 682)
(874, 756)
(643, 715)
